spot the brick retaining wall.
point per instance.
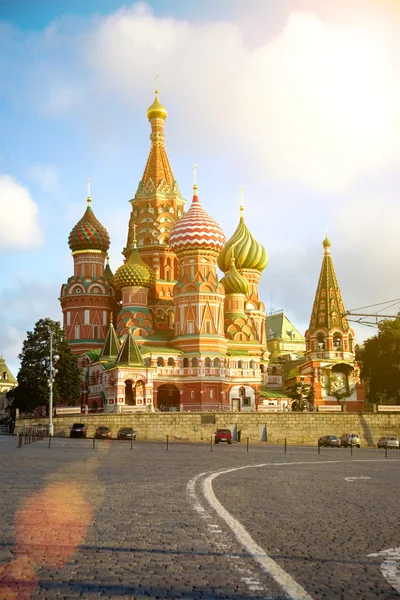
(297, 428)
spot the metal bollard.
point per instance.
(20, 438)
(94, 442)
(211, 444)
(247, 448)
(49, 441)
(319, 449)
(166, 448)
(351, 448)
(285, 445)
(131, 442)
(386, 450)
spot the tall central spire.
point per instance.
(158, 175)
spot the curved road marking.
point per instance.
(288, 584)
(391, 566)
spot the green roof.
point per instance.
(129, 353)
(273, 393)
(4, 369)
(111, 346)
(278, 326)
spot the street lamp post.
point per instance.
(54, 358)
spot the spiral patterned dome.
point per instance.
(248, 253)
(134, 272)
(234, 282)
(89, 233)
(196, 229)
(157, 110)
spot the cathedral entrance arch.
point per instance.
(129, 396)
(168, 397)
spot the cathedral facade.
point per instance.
(163, 331)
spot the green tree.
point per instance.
(33, 388)
(302, 394)
(379, 360)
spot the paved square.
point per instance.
(111, 522)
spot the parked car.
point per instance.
(78, 430)
(102, 432)
(389, 441)
(223, 435)
(350, 439)
(329, 440)
(126, 433)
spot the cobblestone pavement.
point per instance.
(112, 522)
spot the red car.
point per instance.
(223, 435)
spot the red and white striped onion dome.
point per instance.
(196, 229)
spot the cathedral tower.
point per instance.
(198, 296)
(156, 208)
(88, 299)
(330, 348)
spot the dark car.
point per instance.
(102, 433)
(329, 440)
(78, 430)
(223, 435)
(126, 433)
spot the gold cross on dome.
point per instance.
(156, 78)
(241, 198)
(88, 187)
(134, 232)
(194, 168)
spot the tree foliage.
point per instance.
(302, 395)
(33, 388)
(379, 360)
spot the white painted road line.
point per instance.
(391, 566)
(288, 584)
(354, 478)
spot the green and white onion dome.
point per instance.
(248, 253)
(234, 282)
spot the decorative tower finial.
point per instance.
(195, 188)
(88, 191)
(156, 78)
(134, 241)
(241, 201)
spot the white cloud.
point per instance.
(318, 103)
(46, 175)
(19, 224)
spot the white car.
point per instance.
(389, 441)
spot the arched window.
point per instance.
(195, 362)
(160, 361)
(351, 346)
(242, 392)
(337, 341)
(321, 341)
(251, 365)
(171, 362)
(147, 362)
(216, 363)
(185, 363)
(207, 362)
(262, 368)
(240, 364)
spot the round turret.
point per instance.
(157, 110)
(248, 253)
(196, 229)
(89, 233)
(134, 272)
(234, 282)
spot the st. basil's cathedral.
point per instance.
(164, 332)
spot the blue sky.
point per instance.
(297, 101)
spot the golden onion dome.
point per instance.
(248, 253)
(134, 272)
(157, 110)
(234, 282)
